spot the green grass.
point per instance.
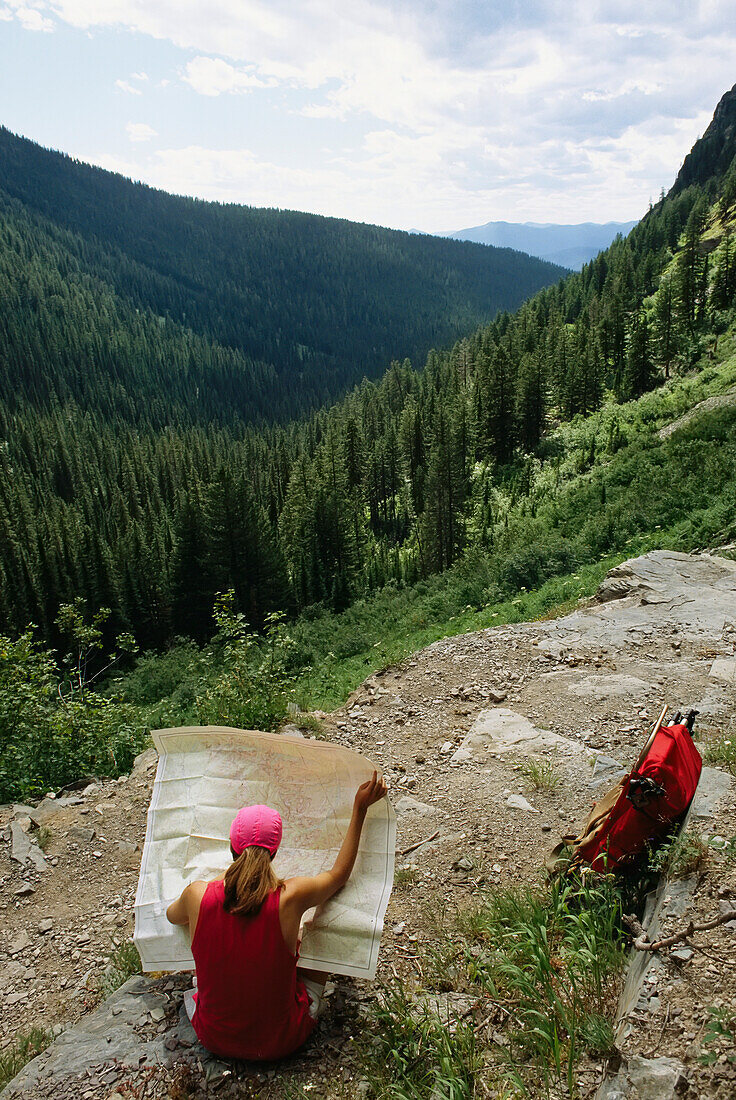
(414, 1053)
(719, 750)
(541, 774)
(542, 964)
(682, 855)
(307, 723)
(23, 1049)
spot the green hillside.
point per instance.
(152, 515)
(497, 482)
(123, 295)
(657, 471)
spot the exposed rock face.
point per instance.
(718, 401)
(711, 154)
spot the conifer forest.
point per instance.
(139, 467)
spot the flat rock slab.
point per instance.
(23, 849)
(604, 685)
(650, 594)
(724, 669)
(408, 806)
(713, 785)
(50, 808)
(109, 1034)
(500, 730)
(645, 1079)
(607, 770)
(717, 401)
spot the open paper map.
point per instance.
(205, 774)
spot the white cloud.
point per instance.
(140, 131)
(440, 112)
(139, 76)
(628, 87)
(30, 16)
(126, 86)
(212, 76)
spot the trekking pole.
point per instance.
(650, 739)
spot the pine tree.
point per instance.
(531, 400)
(193, 589)
(640, 373)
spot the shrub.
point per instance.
(48, 740)
(124, 963)
(250, 690)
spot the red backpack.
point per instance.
(646, 803)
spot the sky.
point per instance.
(415, 114)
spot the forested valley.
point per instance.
(133, 480)
(160, 309)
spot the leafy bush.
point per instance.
(49, 738)
(124, 963)
(720, 1037)
(250, 689)
(159, 675)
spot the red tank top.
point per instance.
(250, 1002)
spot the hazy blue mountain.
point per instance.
(567, 245)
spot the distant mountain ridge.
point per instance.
(569, 246)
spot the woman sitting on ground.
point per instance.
(244, 926)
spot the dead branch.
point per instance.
(641, 936)
(413, 847)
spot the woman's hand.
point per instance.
(302, 893)
(369, 792)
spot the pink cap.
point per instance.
(256, 826)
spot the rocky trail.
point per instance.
(452, 728)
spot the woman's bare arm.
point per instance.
(185, 909)
(300, 894)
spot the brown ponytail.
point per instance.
(249, 880)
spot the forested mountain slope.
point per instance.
(402, 478)
(296, 308)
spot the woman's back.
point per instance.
(250, 1003)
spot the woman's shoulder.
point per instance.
(196, 890)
